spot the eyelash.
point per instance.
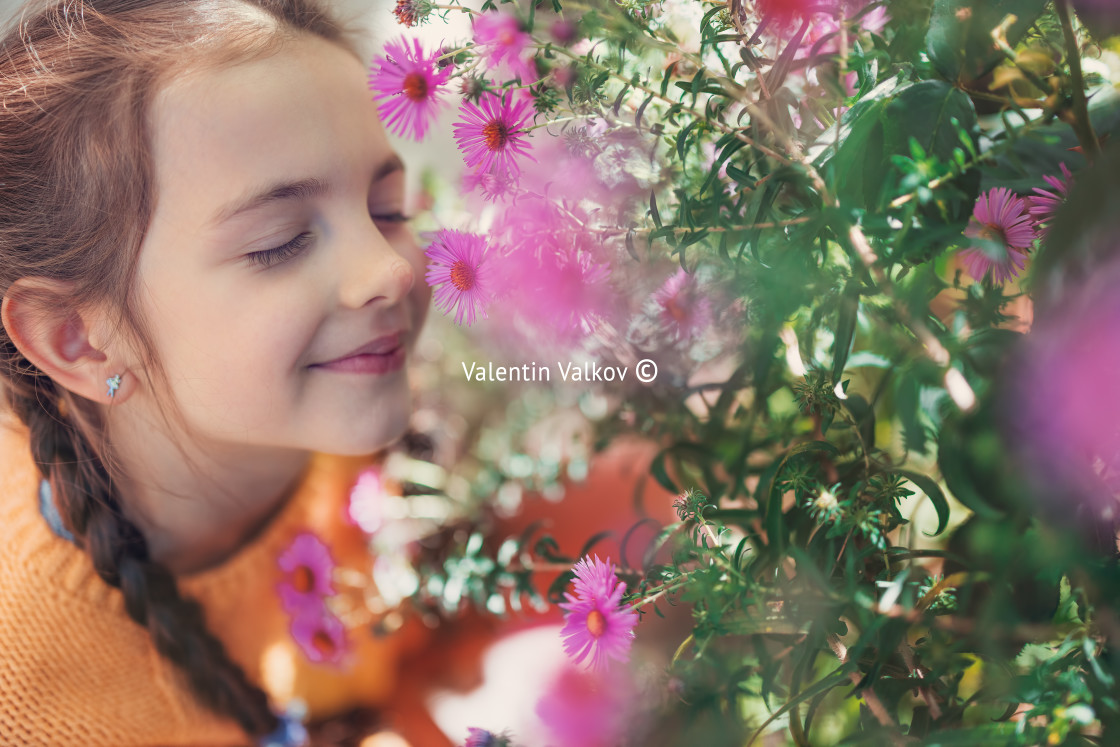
(271, 257)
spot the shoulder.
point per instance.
(71, 654)
(33, 557)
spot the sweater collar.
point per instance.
(50, 511)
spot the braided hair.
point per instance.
(76, 196)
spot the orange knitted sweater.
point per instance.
(76, 670)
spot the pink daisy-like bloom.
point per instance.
(494, 184)
(481, 738)
(502, 41)
(553, 269)
(1044, 203)
(490, 134)
(307, 565)
(366, 506)
(408, 86)
(683, 309)
(595, 623)
(459, 274)
(1000, 220)
(589, 709)
(321, 636)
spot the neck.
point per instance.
(196, 517)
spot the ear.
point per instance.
(70, 345)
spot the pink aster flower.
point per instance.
(784, 12)
(367, 501)
(1004, 231)
(482, 738)
(1044, 203)
(494, 184)
(589, 709)
(307, 567)
(823, 35)
(595, 623)
(502, 42)
(459, 273)
(683, 309)
(491, 134)
(554, 269)
(408, 85)
(321, 636)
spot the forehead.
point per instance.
(304, 111)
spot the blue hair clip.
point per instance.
(290, 732)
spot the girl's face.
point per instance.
(287, 152)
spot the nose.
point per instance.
(374, 271)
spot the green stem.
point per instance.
(1082, 126)
(722, 127)
(460, 8)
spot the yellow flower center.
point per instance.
(415, 87)
(462, 276)
(303, 579)
(991, 233)
(323, 643)
(496, 135)
(676, 310)
(596, 623)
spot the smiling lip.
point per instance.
(379, 356)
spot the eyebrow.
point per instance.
(294, 190)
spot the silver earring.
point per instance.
(114, 383)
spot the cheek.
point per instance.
(420, 296)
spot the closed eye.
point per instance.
(270, 257)
(397, 217)
(277, 255)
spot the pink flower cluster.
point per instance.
(409, 85)
(545, 255)
(307, 565)
(1003, 228)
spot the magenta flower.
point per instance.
(490, 134)
(683, 309)
(1044, 203)
(482, 738)
(553, 270)
(408, 83)
(1003, 227)
(595, 623)
(367, 501)
(320, 635)
(565, 292)
(589, 709)
(307, 567)
(495, 184)
(459, 273)
(823, 34)
(502, 41)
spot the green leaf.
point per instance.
(845, 328)
(930, 487)
(922, 115)
(596, 539)
(682, 139)
(954, 462)
(775, 519)
(657, 469)
(959, 40)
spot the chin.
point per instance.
(387, 430)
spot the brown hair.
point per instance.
(77, 191)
